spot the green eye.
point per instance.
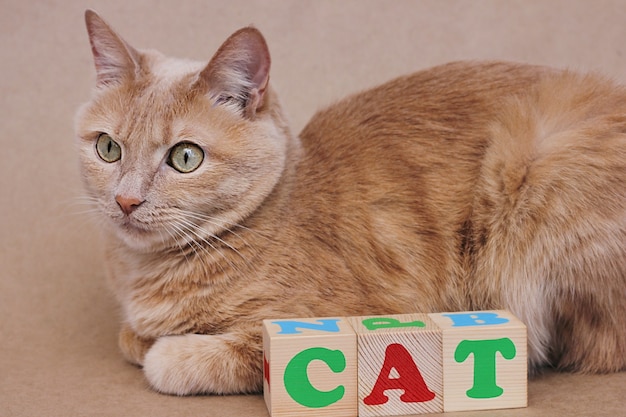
(107, 148)
(185, 157)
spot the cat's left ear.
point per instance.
(239, 71)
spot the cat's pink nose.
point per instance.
(128, 204)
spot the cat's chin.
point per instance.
(152, 243)
(140, 239)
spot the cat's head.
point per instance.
(173, 150)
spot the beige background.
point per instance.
(58, 322)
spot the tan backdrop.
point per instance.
(58, 322)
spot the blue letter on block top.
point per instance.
(292, 326)
(477, 318)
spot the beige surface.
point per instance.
(58, 323)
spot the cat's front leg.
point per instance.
(188, 364)
(133, 346)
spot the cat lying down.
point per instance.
(467, 186)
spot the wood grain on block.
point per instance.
(310, 367)
(400, 365)
(484, 360)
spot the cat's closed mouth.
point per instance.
(132, 225)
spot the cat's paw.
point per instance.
(201, 364)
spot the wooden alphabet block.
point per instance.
(407, 364)
(399, 365)
(484, 360)
(310, 367)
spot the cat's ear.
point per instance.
(239, 71)
(115, 59)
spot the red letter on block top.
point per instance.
(410, 379)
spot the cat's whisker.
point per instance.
(195, 230)
(174, 236)
(200, 232)
(83, 201)
(218, 222)
(86, 212)
(86, 204)
(217, 238)
(191, 237)
(78, 210)
(181, 234)
(211, 220)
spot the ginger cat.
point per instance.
(465, 186)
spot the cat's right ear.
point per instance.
(115, 60)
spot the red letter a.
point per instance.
(410, 379)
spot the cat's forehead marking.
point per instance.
(157, 100)
(145, 114)
(168, 71)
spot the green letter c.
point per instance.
(297, 381)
